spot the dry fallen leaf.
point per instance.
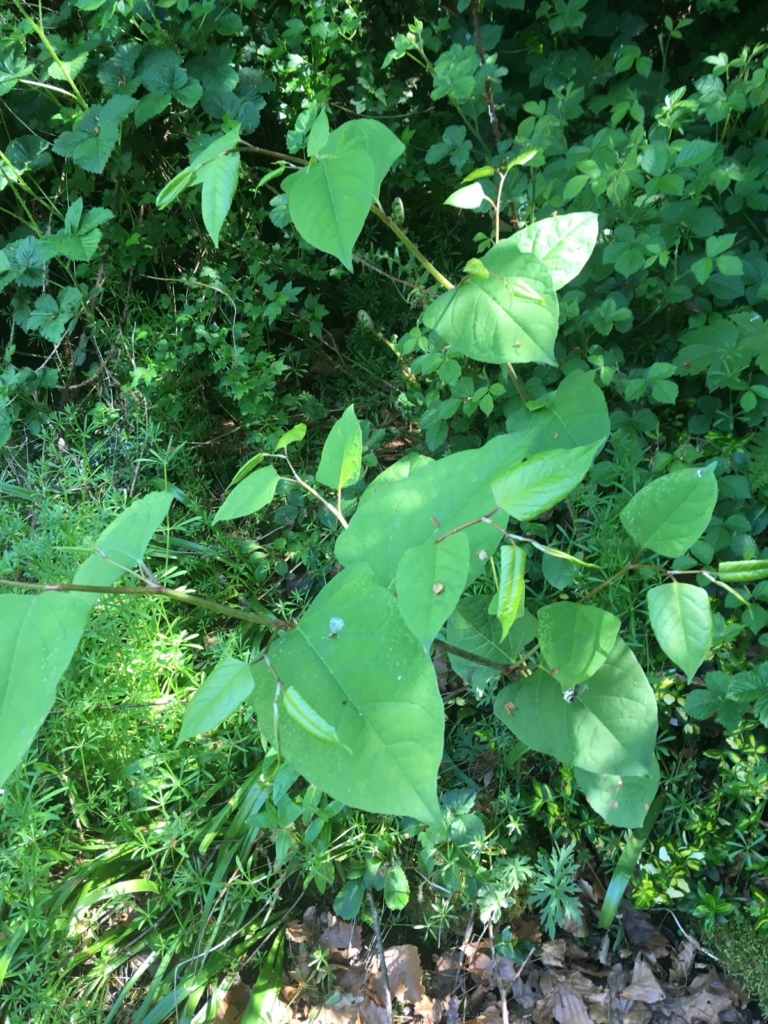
(339, 934)
(644, 988)
(568, 1007)
(707, 998)
(371, 1012)
(683, 959)
(553, 953)
(404, 970)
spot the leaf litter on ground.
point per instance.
(652, 978)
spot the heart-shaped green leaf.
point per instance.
(496, 319)
(329, 201)
(385, 710)
(574, 416)
(371, 137)
(427, 504)
(608, 726)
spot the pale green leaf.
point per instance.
(219, 177)
(563, 243)
(681, 619)
(430, 580)
(250, 495)
(574, 416)
(222, 691)
(671, 513)
(318, 135)
(297, 433)
(621, 800)
(575, 640)
(329, 201)
(468, 197)
(495, 319)
(367, 136)
(342, 454)
(539, 483)
(608, 727)
(38, 636)
(179, 183)
(386, 711)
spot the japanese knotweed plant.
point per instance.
(347, 693)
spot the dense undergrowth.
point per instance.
(138, 872)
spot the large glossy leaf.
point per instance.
(671, 513)
(608, 727)
(539, 483)
(429, 582)
(575, 640)
(496, 319)
(621, 800)
(38, 636)
(329, 200)
(123, 543)
(575, 416)
(681, 619)
(222, 691)
(219, 179)
(353, 660)
(374, 138)
(250, 495)
(474, 629)
(562, 243)
(427, 504)
(342, 454)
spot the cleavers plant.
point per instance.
(435, 553)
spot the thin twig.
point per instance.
(155, 591)
(478, 659)
(472, 522)
(382, 961)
